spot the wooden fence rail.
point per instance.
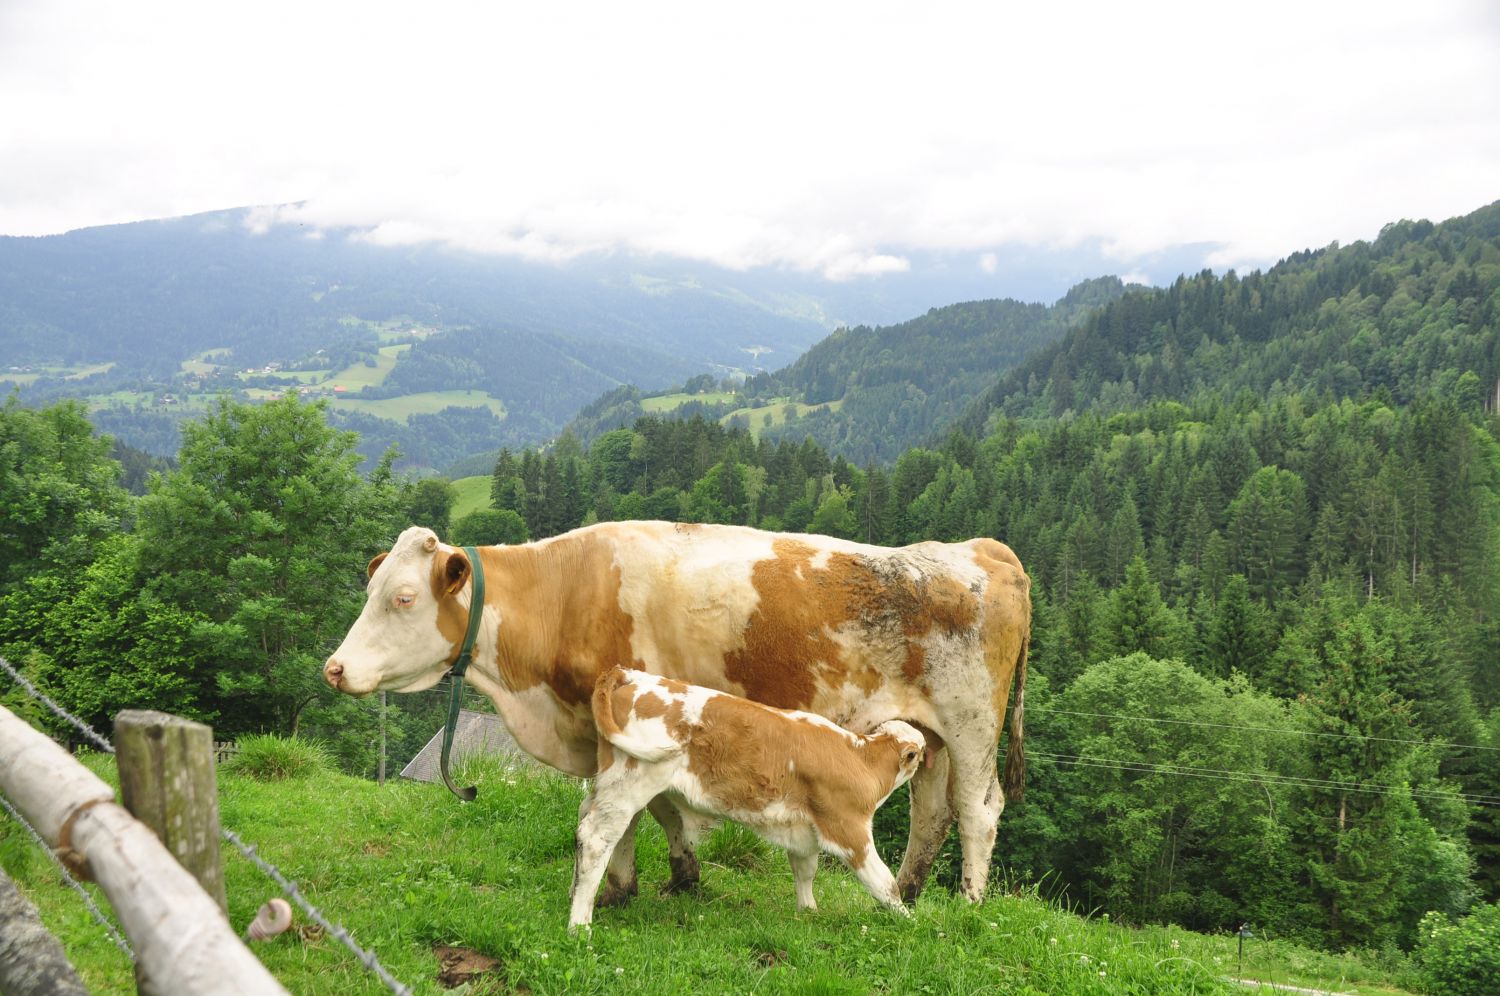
(183, 942)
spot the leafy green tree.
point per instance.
(429, 502)
(260, 539)
(489, 527)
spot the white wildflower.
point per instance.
(619, 971)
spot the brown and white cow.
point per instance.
(795, 778)
(932, 634)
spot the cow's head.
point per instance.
(909, 745)
(412, 626)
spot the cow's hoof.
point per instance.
(616, 893)
(685, 875)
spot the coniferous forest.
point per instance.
(1261, 515)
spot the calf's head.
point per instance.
(907, 743)
(413, 621)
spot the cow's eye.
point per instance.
(404, 601)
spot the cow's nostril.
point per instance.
(332, 673)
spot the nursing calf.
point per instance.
(795, 778)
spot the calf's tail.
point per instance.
(614, 695)
(1015, 754)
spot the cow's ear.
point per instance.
(375, 564)
(455, 572)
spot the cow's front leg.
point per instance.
(683, 828)
(620, 878)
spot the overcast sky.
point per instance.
(828, 136)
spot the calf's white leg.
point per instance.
(804, 867)
(616, 802)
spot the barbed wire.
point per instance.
(367, 958)
(67, 875)
(1228, 775)
(295, 894)
(1265, 729)
(41, 697)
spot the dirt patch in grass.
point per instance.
(457, 966)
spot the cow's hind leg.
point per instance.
(978, 799)
(931, 815)
(683, 828)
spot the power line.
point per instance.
(1265, 729)
(1292, 781)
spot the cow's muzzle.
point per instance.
(333, 673)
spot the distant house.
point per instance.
(477, 733)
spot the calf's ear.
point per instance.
(454, 572)
(375, 564)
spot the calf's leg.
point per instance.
(877, 878)
(620, 879)
(613, 808)
(804, 867)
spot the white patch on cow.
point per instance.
(791, 767)
(819, 561)
(689, 594)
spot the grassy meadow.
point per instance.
(473, 495)
(418, 877)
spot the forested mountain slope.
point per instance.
(1413, 312)
(867, 394)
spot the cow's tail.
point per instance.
(647, 743)
(1015, 754)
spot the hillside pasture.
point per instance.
(473, 495)
(34, 374)
(414, 874)
(777, 410)
(669, 402)
(426, 403)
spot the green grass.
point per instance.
(408, 867)
(667, 402)
(473, 495)
(777, 410)
(426, 403)
(66, 373)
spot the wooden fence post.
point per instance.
(167, 782)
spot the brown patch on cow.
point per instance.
(789, 640)
(374, 564)
(457, 966)
(606, 755)
(560, 619)
(649, 706)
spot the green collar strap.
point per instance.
(465, 656)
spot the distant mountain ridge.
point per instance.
(1416, 311)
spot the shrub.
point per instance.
(1461, 957)
(270, 758)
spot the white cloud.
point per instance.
(836, 137)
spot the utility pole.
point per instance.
(381, 779)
